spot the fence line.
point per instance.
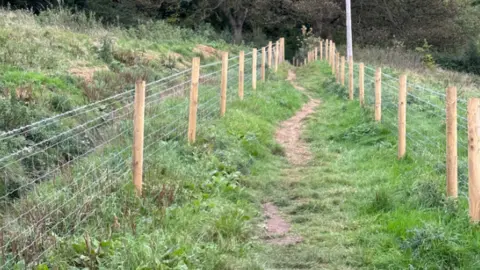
(427, 123)
(79, 160)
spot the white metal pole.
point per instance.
(349, 29)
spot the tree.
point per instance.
(234, 13)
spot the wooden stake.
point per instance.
(332, 51)
(277, 55)
(333, 55)
(192, 118)
(474, 159)
(254, 69)
(262, 72)
(138, 136)
(241, 74)
(342, 71)
(378, 95)
(337, 66)
(326, 51)
(270, 52)
(350, 78)
(452, 162)
(316, 53)
(321, 50)
(224, 84)
(402, 117)
(361, 83)
(282, 50)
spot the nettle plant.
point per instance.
(306, 42)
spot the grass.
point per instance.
(196, 211)
(58, 61)
(359, 207)
(398, 60)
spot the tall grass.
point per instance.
(195, 212)
(400, 60)
(396, 210)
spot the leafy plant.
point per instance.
(427, 57)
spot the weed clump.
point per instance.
(432, 247)
(428, 194)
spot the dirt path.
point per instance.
(290, 131)
(298, 154)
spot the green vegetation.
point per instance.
(59, 61)
(75, 56)
(196, 211)
(357, 206)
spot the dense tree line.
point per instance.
(374, 21)
(448, 25)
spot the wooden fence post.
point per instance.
(321, 50)
(350, 78)
(361, 83)
(254, 69)
(342, 71)
(192, 118)
(270, 52)
(378, 95)
(326, 50)
(316, 53)
(337, 66)
(474, 159)
(332, 52)
(452, 162)
(333, 55)
(329, 50)
(241, 74)
(224, 84)
(138, 136)
(262, 72)
(402, 117)
(282, 47)
(277, 55)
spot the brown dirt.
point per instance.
(207, 51)
(289, 133)
(298, 154)
(86, 73)
(278, 228)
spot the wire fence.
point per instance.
(426, 114)
(58, 174)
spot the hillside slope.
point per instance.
(56, 61)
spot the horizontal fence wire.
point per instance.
(59, 173)
(426, 118)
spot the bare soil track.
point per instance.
(298, 154)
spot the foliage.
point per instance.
(469, 62)
(391, 214)
(427, 57)
(196, 212)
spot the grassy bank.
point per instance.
(358, 206)
(197, 210)
(75, 75)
